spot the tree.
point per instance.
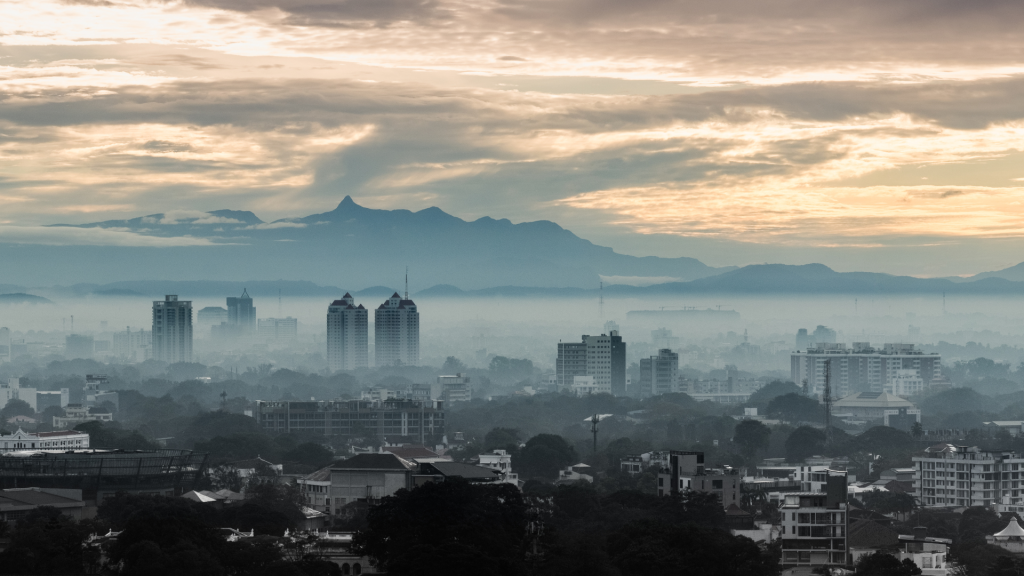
(751, 436)
(502, 438)
(803, 442)
(453, 365)
(882, 564)
(46, 541)
(450, 527)
(772, 390)
(917, 430)
(544, 455)
(657, 547)
(795, 408)
(16, 407)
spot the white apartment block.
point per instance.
(957, 476)
(905, 383)
(347, 335)
(13, 390)
(861, 368)
(277, 328)
(172, 330)
(396, 332)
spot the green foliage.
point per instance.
(752, 436)
(651, 547)
(886, 502)
(453, 365)
(502, 439)
(544, 455)
(47, 542)
(883, 564)
(451, 527)
(308, 457)
(514, 368)
(109, 435)
(958, 400)
(772, 390)
(795, 408)
(16, 407)
(803, 442)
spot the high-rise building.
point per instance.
(78, 346)
(242, 313)
(396, 327)
(602, 357)
(863, 368)
(659, 374)
(347, 335)
(133, 346)
(209, 317)
(823, 335)
(278, 328)
(803, 339)
(172, 330)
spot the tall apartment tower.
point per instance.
(347, 336)
(659, 374)
(603, 357)
(396, 332)
(172, 330)
(242, 313)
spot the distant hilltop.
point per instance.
(22, 298)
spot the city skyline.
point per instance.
(866, 137)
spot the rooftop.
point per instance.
(872, 400)
(385, 461)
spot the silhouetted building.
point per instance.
(172, 330)
(241, 312)
(278, 328)
(420, 420)
(211, 316)
(396, 327)
(347, 335)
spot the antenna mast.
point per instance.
(828, 403)
(406, 282)
(593, 428)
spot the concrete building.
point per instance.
(861, 368)
(603, 357)
(242, 313)
(13, 390)
(368, 478)
(209, 317)
(52, 398)
(133, 346)
(686, 471)
(20, 440)
(959, 476)
(347, 335)
(96, 397)
(870, 405)
(16, 503)
(78, 346)
(501, 462)
(76, 414)
(396, 332)
(814, 525)
(905, 383)
(455, 388)
(278, 329)
(172, 330)
(419, 420)
(659, 374)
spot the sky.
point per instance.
(876, 135)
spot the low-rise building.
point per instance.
(576, 473)
(870, 405)
(15, 503)
(75, 414)
(961, 476)
(456, 388)
(501, 461)
(1010, 538)
(686, 471)
(62, 440)
(368, 478)
(929, 553)
(814, 525)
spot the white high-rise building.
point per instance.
(172, 330)
(396, 327)
(347, 335)
(861, 368)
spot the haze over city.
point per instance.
(511, 287)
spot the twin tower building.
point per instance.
(396, 334)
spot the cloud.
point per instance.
(275, 225)
(72, 236)
(336, 12)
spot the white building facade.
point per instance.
(21, 440)
(861, 368)
(172, 330)
(347, 335)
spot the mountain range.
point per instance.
(353, 246)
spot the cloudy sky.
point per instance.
(882, 135)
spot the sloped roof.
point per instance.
(385, 461)
(870, 534)
(872, 400)
(1012, 529)
(467, 471)
(32, 497)
(411, 451)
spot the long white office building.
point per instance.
(957, 476)
(862, 368)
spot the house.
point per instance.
(75, 414)
(316, 489)
(441, 471)
(575, 473)
(686, 471)
(15, 503)
(501, 461)
(368, 477)
(256, 467)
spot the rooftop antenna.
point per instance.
(828, 403)
(406, 282)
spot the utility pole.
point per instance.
(593, 428)
(406, 282)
